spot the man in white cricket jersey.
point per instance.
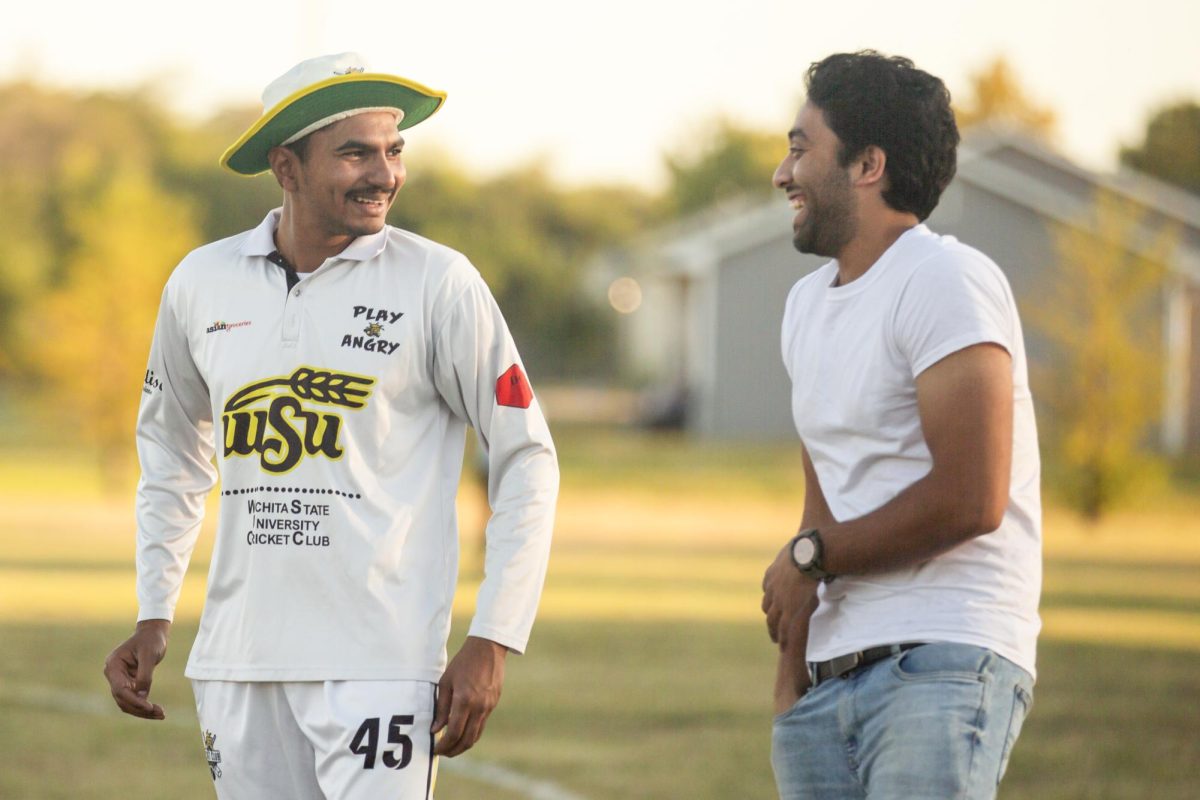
(331, 363)
(906, 606)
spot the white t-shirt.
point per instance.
(853, 353)
(337, 412)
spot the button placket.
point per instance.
(291, 317)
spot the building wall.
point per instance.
(1192, 433)
(653, 337)
(739, 388)
(751, 397)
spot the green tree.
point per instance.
(531, 238)
(996, 96)
(1170, 149)
(1103, 381)
(225, 203)
(533, 241)
(54, 145)
(729, 161)
(88, 337)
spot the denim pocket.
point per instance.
(1022, 701)
(795, 707)
(942, 661)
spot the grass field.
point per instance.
(649, 672)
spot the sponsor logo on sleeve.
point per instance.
(151, 383)
(285, 419)
(512, 389)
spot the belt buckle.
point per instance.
(842, 665)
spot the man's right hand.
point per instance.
(786, 591)
(130, 668)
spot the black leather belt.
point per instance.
(840, 667)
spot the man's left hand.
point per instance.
(786, 592)
(467, 693)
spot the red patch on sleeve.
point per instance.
(512, 389)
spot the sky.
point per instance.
(599, 91)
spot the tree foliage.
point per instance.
(730, 161)
(225, 204)
(102, 193)
(1103, 381)
(1170, 149)
(997, 97)
(90, 333)
(533, 242)
(56, 148)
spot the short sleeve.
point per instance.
(952, 301)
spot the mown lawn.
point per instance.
(649, 673)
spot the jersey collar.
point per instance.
(261, 241)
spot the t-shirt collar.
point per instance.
(869, 277)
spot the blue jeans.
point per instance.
(932, 723)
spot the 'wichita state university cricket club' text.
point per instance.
(295, 523)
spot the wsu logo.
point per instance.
(269, 418)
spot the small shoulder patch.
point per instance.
(512, 389)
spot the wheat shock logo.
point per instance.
(269, 418)
(211, 754)
(219, 326)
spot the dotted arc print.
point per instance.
(290, 490)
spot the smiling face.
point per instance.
(818, 187)
(346, 176)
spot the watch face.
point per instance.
(803, 551)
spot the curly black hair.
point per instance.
(868, 98)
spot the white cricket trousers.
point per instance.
(313, 740)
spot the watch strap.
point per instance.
(815, 567)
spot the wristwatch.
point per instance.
(808, 554)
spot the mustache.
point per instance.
(372, 188)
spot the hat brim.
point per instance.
(248, 155)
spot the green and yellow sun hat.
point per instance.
(319, 92)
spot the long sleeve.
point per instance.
(175, 448)
(479, 374)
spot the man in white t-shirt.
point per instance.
(331, 364)
(906, 607)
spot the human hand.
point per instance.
(791, 676)
(130, 668)
(786, 592)
(467, 693)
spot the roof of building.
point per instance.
(1000, 161)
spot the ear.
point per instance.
(871, 166)
(285, 166)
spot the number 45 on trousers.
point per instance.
(366, 742)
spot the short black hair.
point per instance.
(300, 148)
(867, 99)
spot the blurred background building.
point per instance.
(705, 337)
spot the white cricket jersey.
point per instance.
(337, 412)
